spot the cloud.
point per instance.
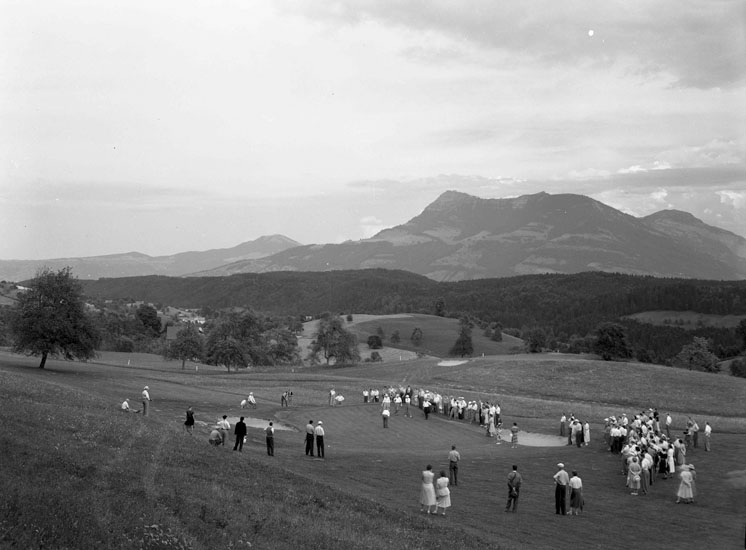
(699, 44)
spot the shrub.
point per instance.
(374, 342)
(738, 368)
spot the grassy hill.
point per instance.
(438, 335)
(80, 474)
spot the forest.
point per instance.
(566, 308)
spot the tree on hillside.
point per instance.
(697, 356)
(262, 340)
(229, 353)
(333, 341)
(440, 307)
(374, 342)
(380, 333)
(395, 338)
(738, 368)
(611, 342)
(535, 339)
(50, 319)
(463, 345)
(741, 332)
(189, 344)
(148, 316)
(416, 337)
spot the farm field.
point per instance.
(114, 480)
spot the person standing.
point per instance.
(708, 434)
(453, 459)
(514, 489)
(634, 476)
(561, 480)
(514, 436)
(385, 413)
(427, 492)
(332, 394)
(669, 421)
(224, 427)
(319, 432)
(145, 400)
(189, 422)
(270, 431)
(563, 419)
(442, 493)
(686, 489)
(240, 432)
(310, 431)
(695, 434)
(407, 402)
(586, 433)
(576, 494)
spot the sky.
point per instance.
(168, 126)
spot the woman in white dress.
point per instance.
(442, 493)
(427, 493)
(686, 487)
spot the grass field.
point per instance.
(687, 319)
(438, 335)
(77, 473)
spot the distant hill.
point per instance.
(137, 264)
(461, 237)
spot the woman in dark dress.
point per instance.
(189, 423)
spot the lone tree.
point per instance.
(697, 356)
(50, 319)
(463, 345)
(416, 337)
(535, 339)
(375, 342)
(611, 342)
(334, 341)
(188, 345)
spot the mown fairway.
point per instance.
(77, 473)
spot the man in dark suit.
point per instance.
(309, 437)
(240, 432)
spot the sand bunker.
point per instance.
(451, 363)
(528, 439)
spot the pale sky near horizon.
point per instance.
(162, 127)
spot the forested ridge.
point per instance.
(572, 301)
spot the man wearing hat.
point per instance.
(319, 431)
(126, 406)
(561, 480)
(145, 400)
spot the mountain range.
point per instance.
(133, 264)
(462, 237)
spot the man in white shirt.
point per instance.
(708, 433)
(126, 406)
(385, 413)
(145, 400)
(319, 431)
(453, 459)
(223, 427)
(561, 480)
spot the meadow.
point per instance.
(78, 473)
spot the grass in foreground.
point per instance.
(77, 475)
(131, 482)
